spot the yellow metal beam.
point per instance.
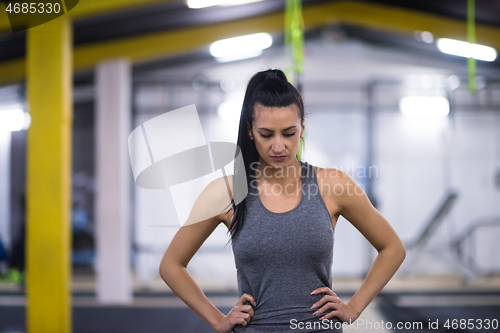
(87, 8)
(4, 19)
(157, 45)
(160, 44)
(49, 86)
(12, 71)
(396, 19)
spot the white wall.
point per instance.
(419, 160)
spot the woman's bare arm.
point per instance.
(186, 242)
(173, 269)
(358, 210)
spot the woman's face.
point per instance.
(276, 131)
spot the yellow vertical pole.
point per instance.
(49, 89)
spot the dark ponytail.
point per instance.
(269, 88)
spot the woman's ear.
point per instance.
(249, 128)
(303, 128)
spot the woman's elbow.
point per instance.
(401, 251)
(396, 250)
(162, 270)
(165, 268)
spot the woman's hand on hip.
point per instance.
(240, 314)
(345, 312)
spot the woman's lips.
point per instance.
(278, 158)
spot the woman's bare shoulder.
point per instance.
(338, 185)
(333, 185)
(220, 184)
(329, 176)
(220, 192)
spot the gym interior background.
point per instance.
(390, 96)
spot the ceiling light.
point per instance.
(239, 56)
(209, 3)
(240, 47)
(13, 118)
(424, 36)
(427, 37)
(464, 49)
(424, 106)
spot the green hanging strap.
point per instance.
(294, 38)
(471, 38)
(294, 48)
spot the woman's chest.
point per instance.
(299, 236)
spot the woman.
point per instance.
(282, 232)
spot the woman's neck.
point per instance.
(282, 175)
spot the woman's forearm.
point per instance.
(185, 287)
(384, 266)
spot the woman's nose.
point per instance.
(278, 145)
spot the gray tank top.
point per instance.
(281, 258)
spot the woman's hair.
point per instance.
(269, 88)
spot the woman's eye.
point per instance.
(268, 136)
